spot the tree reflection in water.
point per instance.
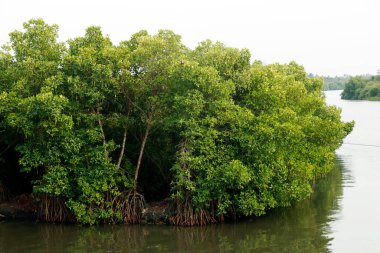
(303, 227)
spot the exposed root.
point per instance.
(129, 204)
(187, 215)
(133, 207)
(54, 209)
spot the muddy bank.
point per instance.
(19, 207)
(26, 207)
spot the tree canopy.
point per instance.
(100, 126)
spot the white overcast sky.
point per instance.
(328, 37)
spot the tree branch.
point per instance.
(102, 131)
(122, 148)
(8, 147)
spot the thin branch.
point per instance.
(122, 148)
(102, 131)
(164, 175)
(8, 147)
(135, 105)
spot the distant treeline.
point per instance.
(338, 82)
(360, 88)
(335, 83)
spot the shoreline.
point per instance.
(25, 207)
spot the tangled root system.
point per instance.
(187, 215)
(130, 205)
(54, 209)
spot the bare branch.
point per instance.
(102, 131)
(122, 148)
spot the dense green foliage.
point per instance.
(100, 121)
(359, 88)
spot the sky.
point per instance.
(327, 37)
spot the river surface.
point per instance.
(343, 214)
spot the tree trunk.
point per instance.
(148, 127)
(122, 148)
(102, 132)
(124, 141)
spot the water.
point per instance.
(341, 216)
(355, 227)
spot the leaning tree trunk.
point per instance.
(100, 123)
(121, 155)
(122, 149)
(147, 131)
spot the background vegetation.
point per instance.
(359, 88)
(335, 83)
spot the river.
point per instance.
(341, 216)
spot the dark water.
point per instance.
(341, 216)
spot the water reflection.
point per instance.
(301, 228)
(356, 228)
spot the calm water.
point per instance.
(355, 227)
(341, 216)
